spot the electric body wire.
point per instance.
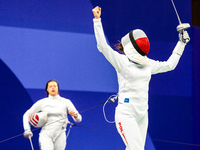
(61, 119)
(51, 123)
(104, 103)
(112, 99)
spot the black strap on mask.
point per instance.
(135, 44)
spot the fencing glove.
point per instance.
(184, 37)
(27, 134)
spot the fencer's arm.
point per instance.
(111, 55)
(35, 108)
(183, 39)
(99, 35)
(26, 120)
(73, 112)
(27, 129)
(76, 116)
(178, 50)
(175, 57)
(171, 63)
(98, 27)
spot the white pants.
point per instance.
(132, 130)
(47, 143)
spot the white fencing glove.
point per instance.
(184, 37)
(27, 134)
(183, 40)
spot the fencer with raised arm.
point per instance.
(134, 70)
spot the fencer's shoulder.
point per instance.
(151, 61)
(65, 99)
(42, 100)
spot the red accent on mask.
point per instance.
(143, 44)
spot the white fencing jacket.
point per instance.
(57, 108)
(133, 79)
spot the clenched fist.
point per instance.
(97, 12)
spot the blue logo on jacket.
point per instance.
(126, 100)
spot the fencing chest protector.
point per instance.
(136, 46)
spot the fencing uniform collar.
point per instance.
(54, 97)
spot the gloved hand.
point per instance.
(27, 134)
(184, 37)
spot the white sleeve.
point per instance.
(111, 55)
(71, 107)
(170, 64)
(78, 119)
(35, 108)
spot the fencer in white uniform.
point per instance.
(52, 135)
(134, 70)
